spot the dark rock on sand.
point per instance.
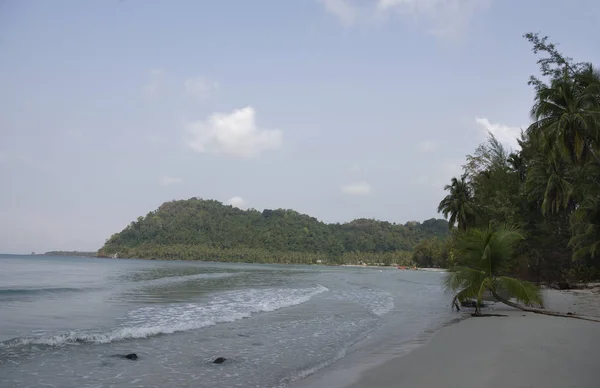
(130, 356)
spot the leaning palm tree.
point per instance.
(486, 256)
(458, 204)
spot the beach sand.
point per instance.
(519, 350)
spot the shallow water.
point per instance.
(64, 318)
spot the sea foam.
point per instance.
(158, 320)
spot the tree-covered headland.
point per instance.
(197, 229)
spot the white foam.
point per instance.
(155, 320)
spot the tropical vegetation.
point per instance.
(532, 213)
(197, 229)
(486, 259)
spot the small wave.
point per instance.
(151, 321)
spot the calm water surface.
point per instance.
(63, 319)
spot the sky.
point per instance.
(336, 108)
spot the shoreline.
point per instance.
(525, 350)
(518, 349)
(391, 266)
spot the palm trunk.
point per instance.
(540, 311)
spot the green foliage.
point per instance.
(432, 253)
(550, 187)
(489, 250)
(458, 204)
(197, 229)
(486, 256)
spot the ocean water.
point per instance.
(62, 320)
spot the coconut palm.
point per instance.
(566, 115)
(458, 204)
(486, 255)
(550, 181)
(585, 220)
(585, 224)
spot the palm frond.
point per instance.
(462, 277)
(489, 250)
(525, 292)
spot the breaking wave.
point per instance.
(158, 320)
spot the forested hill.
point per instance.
(197, 229)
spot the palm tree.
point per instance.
(585, 225)
(566, 115)
(516, 163)
(549, 180)
(458, 204)
(585, 220)
(486, 256)
(589, 77)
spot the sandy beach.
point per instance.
(518, 350)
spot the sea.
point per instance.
(64, 321)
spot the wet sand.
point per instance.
(519, 350)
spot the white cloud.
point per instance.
(439, 17)
(428, 146)
(235, 134)
(154, 86)
(237, 201)
(505, 134)
(200, 87)
(166, 180)
(358, 188)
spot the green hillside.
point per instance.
(197, 229)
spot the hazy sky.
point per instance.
(336, 108)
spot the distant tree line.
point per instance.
(71, 253)
(197, 229)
